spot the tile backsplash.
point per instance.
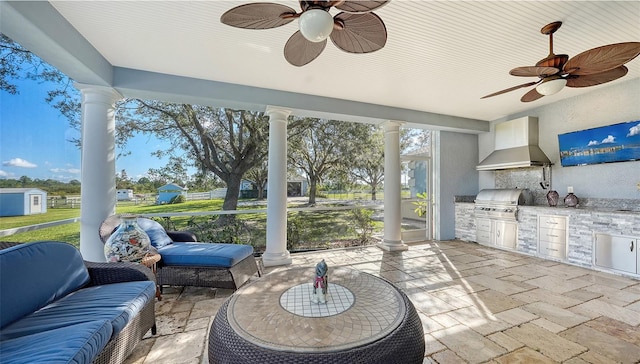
(531, 177)
(528, 178)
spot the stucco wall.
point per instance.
(606, 105)
(455, 164)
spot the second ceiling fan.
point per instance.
(355, 30)
(589, 68)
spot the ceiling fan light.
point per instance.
(315, 25)
(551, 87)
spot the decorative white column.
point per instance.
(392, 189)
(98, 169)
(276, 252)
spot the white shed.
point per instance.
(124, 195)
(22, 201)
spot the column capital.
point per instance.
(392, 124)
(101, 91)
(276, 112)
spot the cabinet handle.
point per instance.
(631, 245)
(498, 233)
(553, 236)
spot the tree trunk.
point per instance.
(230, 199)
(374, 189)
(233, 190)
(313, 183)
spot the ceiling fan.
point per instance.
(355, 30)
(589, 68)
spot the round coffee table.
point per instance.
(272, 320)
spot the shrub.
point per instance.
(362, 224)
(178, 199)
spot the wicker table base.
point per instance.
(366, 320)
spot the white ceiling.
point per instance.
(440, 56)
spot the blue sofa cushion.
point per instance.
(79, 343)
(156, 232)
(118, 303)
(204, 254)
(41, 272)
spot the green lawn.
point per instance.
(311, 227)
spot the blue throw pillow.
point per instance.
(156, 232)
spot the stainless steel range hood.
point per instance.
(516, 146)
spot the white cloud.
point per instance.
(609, 139)
(4, 174)
(634, 130)
(65, 170)
(19, 162)
(593, 142)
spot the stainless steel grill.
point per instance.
(496, 214)
(501, 204)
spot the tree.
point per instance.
(258, 175)
(320, 147)
(16, 62)
(223, 141)
(25, 181)
(204, 180)
(368, 164)
(123, 181)
(174, 171)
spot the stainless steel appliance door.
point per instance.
(506, 234)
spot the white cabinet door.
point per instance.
(616, 252)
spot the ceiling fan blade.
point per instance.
(258, 16)
(299, 51)
(362, 33)
(511, 89)
(534, 71)
(360, 6)
(598, 78)
(532, 95)
(603, 58)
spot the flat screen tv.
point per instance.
(606, 144)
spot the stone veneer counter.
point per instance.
(582, 224)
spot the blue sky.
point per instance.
(34, 140)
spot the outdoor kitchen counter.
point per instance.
(582, 224)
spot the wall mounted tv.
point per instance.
(606, 144)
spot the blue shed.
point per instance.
(22, 201)
(169, 191)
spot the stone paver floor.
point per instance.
(477, 304)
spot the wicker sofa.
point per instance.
(187, 262)
(56, 308)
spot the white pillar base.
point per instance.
(393, 246)
(273, 260)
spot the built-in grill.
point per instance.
(496, 213)
(501, 204)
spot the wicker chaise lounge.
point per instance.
(187, 262)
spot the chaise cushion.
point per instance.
(117, 303)
(156, 232)
(79, 343)
(41, 272)
(204, 254)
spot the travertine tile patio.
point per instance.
(477, 305)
